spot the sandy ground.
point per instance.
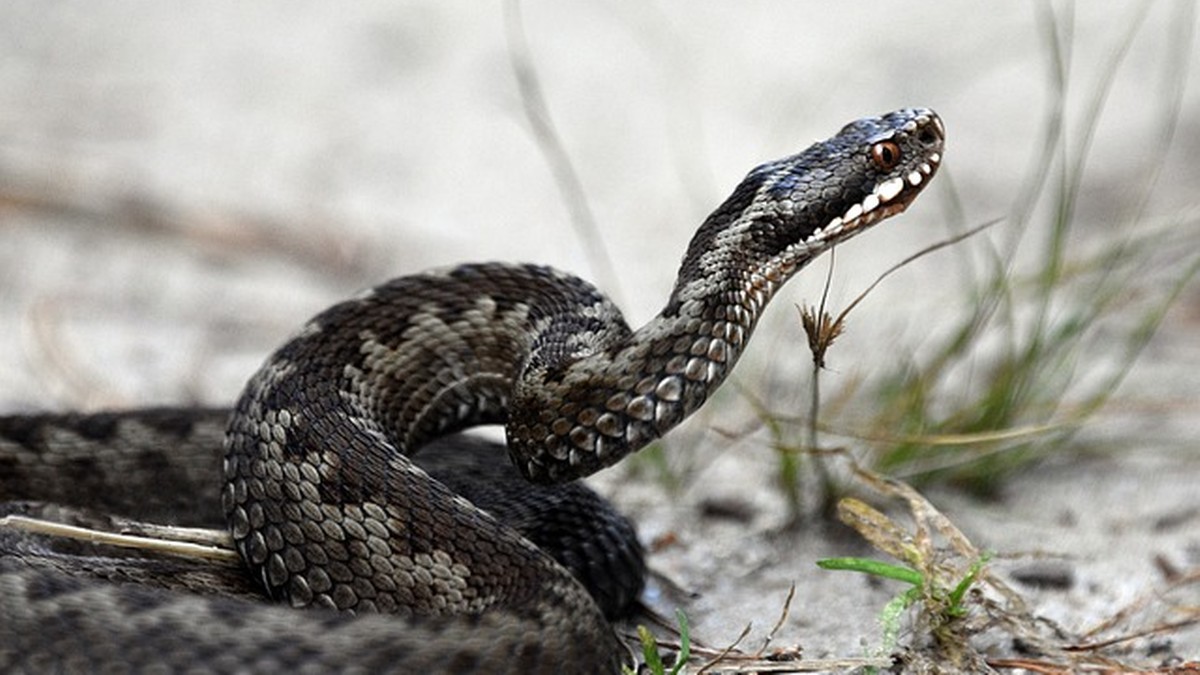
(182, 184)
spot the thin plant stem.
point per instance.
(537, 113)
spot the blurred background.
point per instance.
(183, 184)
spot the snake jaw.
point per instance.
(888, 199)
(918, 161)
(893, 194)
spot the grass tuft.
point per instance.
(1043, 343)
(653, 660)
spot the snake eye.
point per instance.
(886, 155)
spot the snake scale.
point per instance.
(321, 490)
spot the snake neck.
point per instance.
(569, 419)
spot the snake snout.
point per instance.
(930, 136)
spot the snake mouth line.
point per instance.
(887, 199)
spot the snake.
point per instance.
(407, 568)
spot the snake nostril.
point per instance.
(928, 136)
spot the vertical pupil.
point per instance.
(886, 155)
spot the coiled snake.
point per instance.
(327, 508)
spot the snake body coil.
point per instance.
(328, 508)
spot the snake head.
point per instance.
(872, 169)
(786, 212)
